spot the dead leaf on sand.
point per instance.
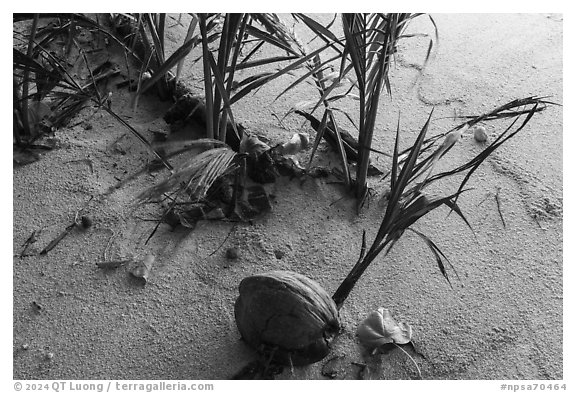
(381, 328)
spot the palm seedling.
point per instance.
(223, 54)
(44, 87)
(221, 62)
(366, 50)
(272, 306)
(370, 43)
(411, 175)
(45, 91)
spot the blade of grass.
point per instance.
(175, 59)
(260, 82)
(210, 130)
(270, 39)
(319, 134)
(265, 61)
(341, 150)
(219, 82)
(438, 255)
(156, 39)
(139, 136)
(189, 34)
(26, 81)
(322, 32)
(237, 46)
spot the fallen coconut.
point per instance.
(286, 316)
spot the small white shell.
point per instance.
(142, 268)
(480, 134)
(298, 143)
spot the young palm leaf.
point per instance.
(367, 48)
(370, 43)
(408, 201)
(24, 107)
(175, 59)
(316, 69)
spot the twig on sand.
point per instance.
(59, 238)
(497, 197)
(31, 239)
(109, 244)
(411, 358)
(225, 239)
(485, 197)
(66, 231)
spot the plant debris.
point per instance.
(66, 231)
(297, 143)
(142, 268)
(497, 197)
(349, 143)
(58, 239)
(189, 108)
(109, 265)
(381, 328)
(33, 238)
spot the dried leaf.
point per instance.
(381, 328)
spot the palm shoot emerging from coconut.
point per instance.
(409, 177)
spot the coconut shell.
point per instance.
(286, 314)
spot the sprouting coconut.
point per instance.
(292, 320)
(286, 315)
